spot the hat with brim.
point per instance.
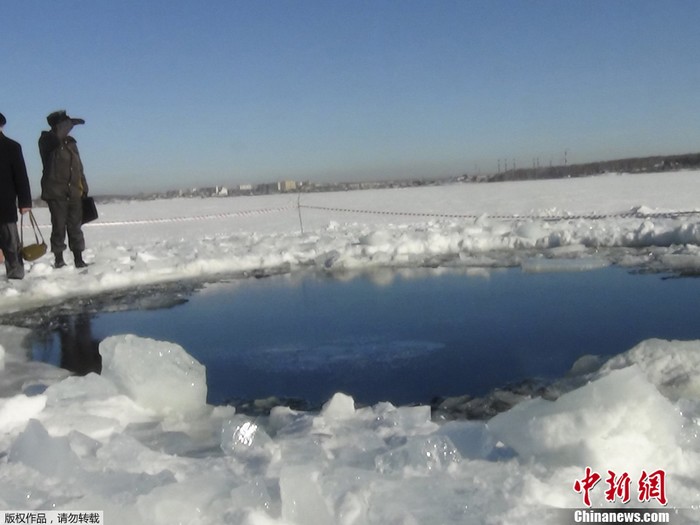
(55, 118)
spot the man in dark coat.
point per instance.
(14, 193)
(63, 186)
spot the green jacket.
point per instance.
(63, 177)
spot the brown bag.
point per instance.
(32, 252)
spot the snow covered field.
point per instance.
(136, 243)
(140, 443)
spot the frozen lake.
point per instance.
(140, 442)
(400, 336)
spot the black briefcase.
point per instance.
(89, 210)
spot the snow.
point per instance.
(140, 442)
(139, 243)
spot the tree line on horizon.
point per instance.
(655, 164)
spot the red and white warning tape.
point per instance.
(264, 211)
(189, 218)
(584, 216)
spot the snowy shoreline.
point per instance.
(140, 243)
(140, 443)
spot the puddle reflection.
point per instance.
(70, 344)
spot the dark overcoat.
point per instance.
(14, 183)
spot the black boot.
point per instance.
(59, 263)
(79, 263)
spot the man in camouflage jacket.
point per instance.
(63, 186)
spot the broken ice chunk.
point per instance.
(157, 375)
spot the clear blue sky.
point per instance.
(193, 93)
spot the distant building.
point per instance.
(267, 188)
(287, 185)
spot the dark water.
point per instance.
(399, 337)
